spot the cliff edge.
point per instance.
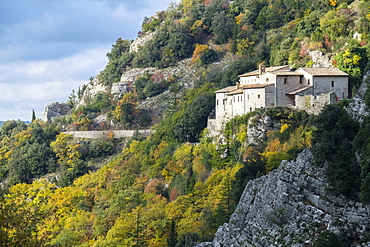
(291, 207)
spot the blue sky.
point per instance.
(50, 47)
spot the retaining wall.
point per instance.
(96, 134)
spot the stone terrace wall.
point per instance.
(101, 134)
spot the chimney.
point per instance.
(262, 69)
(237, 85)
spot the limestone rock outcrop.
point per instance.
(119, 89)
(362, 90)
(92, 89)
(258, 126)
(140, 41)
(321, 60)
(55, 110)
(291, 207)
(357, 109)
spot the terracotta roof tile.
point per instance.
(298, 90)
(267, 69)
(248, 86)
(226, 89)
(324, 71)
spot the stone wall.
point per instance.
(102, 134)
(314, 104)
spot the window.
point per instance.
(217, 102)
(332, 83)
(250, 109)
(267, 79)
(259, 96)
(308, 81)
(285, 80)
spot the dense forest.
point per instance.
(177, 186)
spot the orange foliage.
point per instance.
(199, 50)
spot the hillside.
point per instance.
(179, 185)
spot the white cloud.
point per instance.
(34, 84)
(49, 48)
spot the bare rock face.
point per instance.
(364, 85)
(132, 74)
(134, 47)
(321, 60)
(290, 207)
(357, 109)
(55, 110)
(92, 89)
(119, 89)
(258, 126)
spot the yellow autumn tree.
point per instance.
(66, 150)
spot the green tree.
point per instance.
(222, 28)
(353, 61)
(195, 118)
(363, 144)
(33, 116)
(333, 149)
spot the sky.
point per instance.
(50, 47)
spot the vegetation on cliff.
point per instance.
(177, 186)
(277, 33)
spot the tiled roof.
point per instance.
(324, 71)
(226, 89)
(247, 86)
(237, 91)
(298, 90)
(287, 73)
(267, 69)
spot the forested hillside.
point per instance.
(176, 187)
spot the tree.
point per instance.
(33, 116)
(126, 111)
(353, 61)
(72, 99)
(179, 42)
(363, 144)
(69, 157)
(222, 27)
(333, 149)
(203, 54)
(195, 117)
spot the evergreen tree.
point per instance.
(33, 115)
(333, 149)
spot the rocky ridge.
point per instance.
(290, 207)
(55, 110)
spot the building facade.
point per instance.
(307, 89)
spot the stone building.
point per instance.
(307, 89)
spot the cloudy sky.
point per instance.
(50, 47)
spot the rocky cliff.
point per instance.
(291, 207)
(55, 110)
